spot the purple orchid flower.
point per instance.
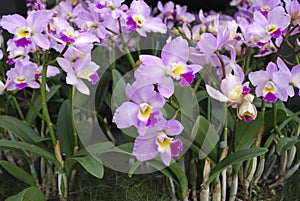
(82, 68)
(91, 21)
(293, 9)
(232, 90)
(272, 84)
(172, 64)
(62, 32)
(113, 8)
(28, 31)
(295, 80)
(139, 19)
(22, 75)
(271, 26)
(294, 74)
(209, 44)
(246, 111)
(141, 110)
(183, 16)
(157, 141)
(168, 12)
(266, 5)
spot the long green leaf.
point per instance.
(64, 129)
(181, 176)
(20, 129)
(90, 164)
(246, 133)
(119, 85)
(205, 137)
(11, 145)
(28, 194)
(18, 172)
(286, 143)
(237, 157)
(37, 103)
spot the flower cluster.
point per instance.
(207, 40)
(143, 112)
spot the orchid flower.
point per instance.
(272, 84)
(139, 111)
(266, 5)
(271, 26)
(139, 19)
(171, 65)
(183, 16)
(246, 111)
(22, 75)
(209, 44)
(157, 141)
(113, 8)
(28, 31)
(82, 68)
(232, 90)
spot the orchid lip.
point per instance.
(270, 97)
(22, 42)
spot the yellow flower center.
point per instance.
(20, 79)
(23, 32)
(235, 93)
(178, 69)
(183, 18)
(272, 28)
(265, 9)
(139, 19)
(165, 143)
(144, 112)
(269, 87)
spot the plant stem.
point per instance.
(127, 51)
(44, 101)
(73, 119)
(275, 119)
(18, 108)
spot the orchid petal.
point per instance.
(126, 115)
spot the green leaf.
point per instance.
(237, 157)
(286, 143)
(28, 194)
(20, 129)
(246, 133)
(97, 148)
(102, 90)
(65, 130)
(174, 172)
(11, 145)
(269, 125)
(201, 95)
(37, 103)
(134, 167)
(181, 176)
(206, 137)
(119, 86)
(90, 164)
(18, 172)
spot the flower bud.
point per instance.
(246, 111)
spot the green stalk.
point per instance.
(18, 108)
(275, 119)
(44, 101)
(72, 91)
(127, 51)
